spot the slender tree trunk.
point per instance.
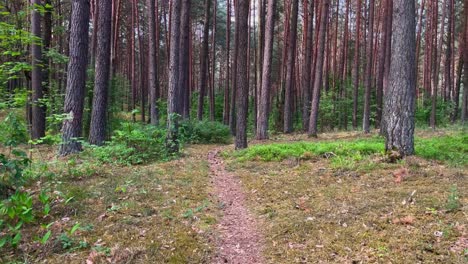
(226, 109)
(76, 79)
(401, 96)
(153, 63)
(356, 64)
(97, 133)
(38, 107)
(242, 82)
(318, 70)
(307, 65)
(288, 116)
(265, 90)
(174, 74)
(184, 59)
(133, 60)
(213, 63)
(381, 62)
(370, 39)
(435, 67)
(418, 44)
(465, 69)
(203, 60)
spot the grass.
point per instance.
(452, 149)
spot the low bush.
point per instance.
(133, 144)
(14, 130)
(205, 132)
(12, 168)
(307, 150)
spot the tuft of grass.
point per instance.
(452, 149)
(307, 150)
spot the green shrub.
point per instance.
(307, 150)
(17, 211)
(133, 144)
(12, 170)
(451, 148)
(211, 132)
(13, 130)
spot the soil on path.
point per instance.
(239, 240)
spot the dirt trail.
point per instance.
(239, 240)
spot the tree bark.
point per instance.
(400, 98)
(370, 41)
(356, 64)
(288, 97)
(204, 60)
(97, 133)
(76, 78)
(242, 82)
(38, 107)
(226, 109)
(318, 70)
(153, 63)
(307, 66)
(172, 141)
(184, 59)
(265, 90)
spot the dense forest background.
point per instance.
(349, 77)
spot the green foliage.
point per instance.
(450, 148)
(453, 200)
(17, 211)
(12, 170)
(424, 110)
(307, 150)
(133, 143)
(204, 132)
(14, 130)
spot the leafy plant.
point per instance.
(12, 170)
(14, 131)
(453, 200)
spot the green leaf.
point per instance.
(46, 237)
(74, 228)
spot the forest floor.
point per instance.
(217, 205)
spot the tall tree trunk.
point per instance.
(357, 55)
(76, 78)
(153, 63)
(434, 62)
(307, 65)
(265, 90)
(400, 98)
(213, 63)
(38, 107)
(174, 70)
(226, 109)
(242, 10)
(204, 60)
(418, 44)
(464, 109)
(370, 41)
(381, 62)
(318, 70)
(184, 59)
(288, 97)
(133, 60)
(97, 133)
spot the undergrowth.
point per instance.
(452, 149)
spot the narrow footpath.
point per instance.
(239, 241)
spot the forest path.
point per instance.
(239, 240)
